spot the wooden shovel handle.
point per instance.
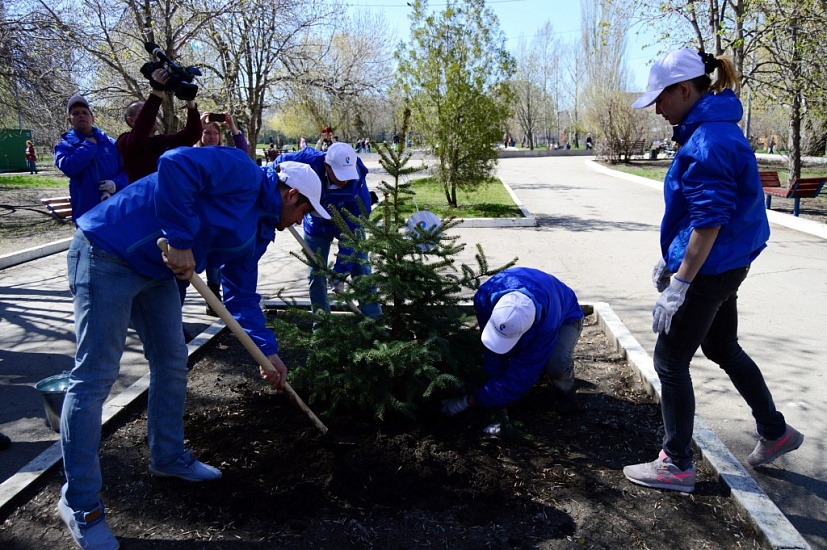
(239, 332)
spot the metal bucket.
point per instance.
(52, 391)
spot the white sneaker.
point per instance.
(88, 528)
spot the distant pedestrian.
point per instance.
(714, 226)
(589, 141)
(771, 145)
(31, 157)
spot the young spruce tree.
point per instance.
(426, 343)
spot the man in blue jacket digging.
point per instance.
(214, 206)
(531, 323)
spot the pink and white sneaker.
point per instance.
(768, 450)
(662, 474)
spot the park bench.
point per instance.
(59, 207)
(801, 188)
(637, 148)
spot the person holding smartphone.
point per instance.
(211, 130)
(141, 147)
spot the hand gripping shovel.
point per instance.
(218, 306)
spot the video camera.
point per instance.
(180, 78)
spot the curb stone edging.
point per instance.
(745, 491)
(747, 494)
(12, 489)
(22, 256)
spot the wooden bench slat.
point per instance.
(801, 188)
(59, 207)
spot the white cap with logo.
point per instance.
(511, 318)
(342, 159)
(671, 68)
(303, 179)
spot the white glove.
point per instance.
(450, 407)
(107, 186)
(660, 276)
(669, 302)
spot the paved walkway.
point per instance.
(596, 231)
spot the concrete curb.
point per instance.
(528, 221)
(747, 494)
(12, 490)
(15, 258)
(786, 220)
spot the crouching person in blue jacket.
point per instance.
(214, 206)
(531, 323)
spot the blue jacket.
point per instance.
(213, 200)
(344, 198)
(514, 373)
(714, 181)
(87, 164)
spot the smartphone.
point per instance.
(217, 117)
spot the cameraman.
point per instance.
(140, 148)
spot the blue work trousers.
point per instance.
(318, 282)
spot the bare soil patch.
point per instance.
(24, 220)
(433, 483)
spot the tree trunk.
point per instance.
(794, 152)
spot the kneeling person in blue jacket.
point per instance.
(215, 207)
(531, 323)
(343, 176)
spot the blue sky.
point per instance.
(521, 19)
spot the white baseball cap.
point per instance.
(512, 317)
(303, 179)
(671, 68)
(342, 158)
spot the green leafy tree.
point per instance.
(425, 342)
(454, 73)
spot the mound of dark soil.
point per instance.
(438, 483)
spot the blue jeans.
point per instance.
(32, 166)
(318, 282)
(708, 319)
(560, 366)
(108, 296)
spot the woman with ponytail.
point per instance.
(714, 226)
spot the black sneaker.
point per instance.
(5, 442)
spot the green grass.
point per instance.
(642, 171)
(20, 181)
(491, 200)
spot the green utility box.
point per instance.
(13, 149)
